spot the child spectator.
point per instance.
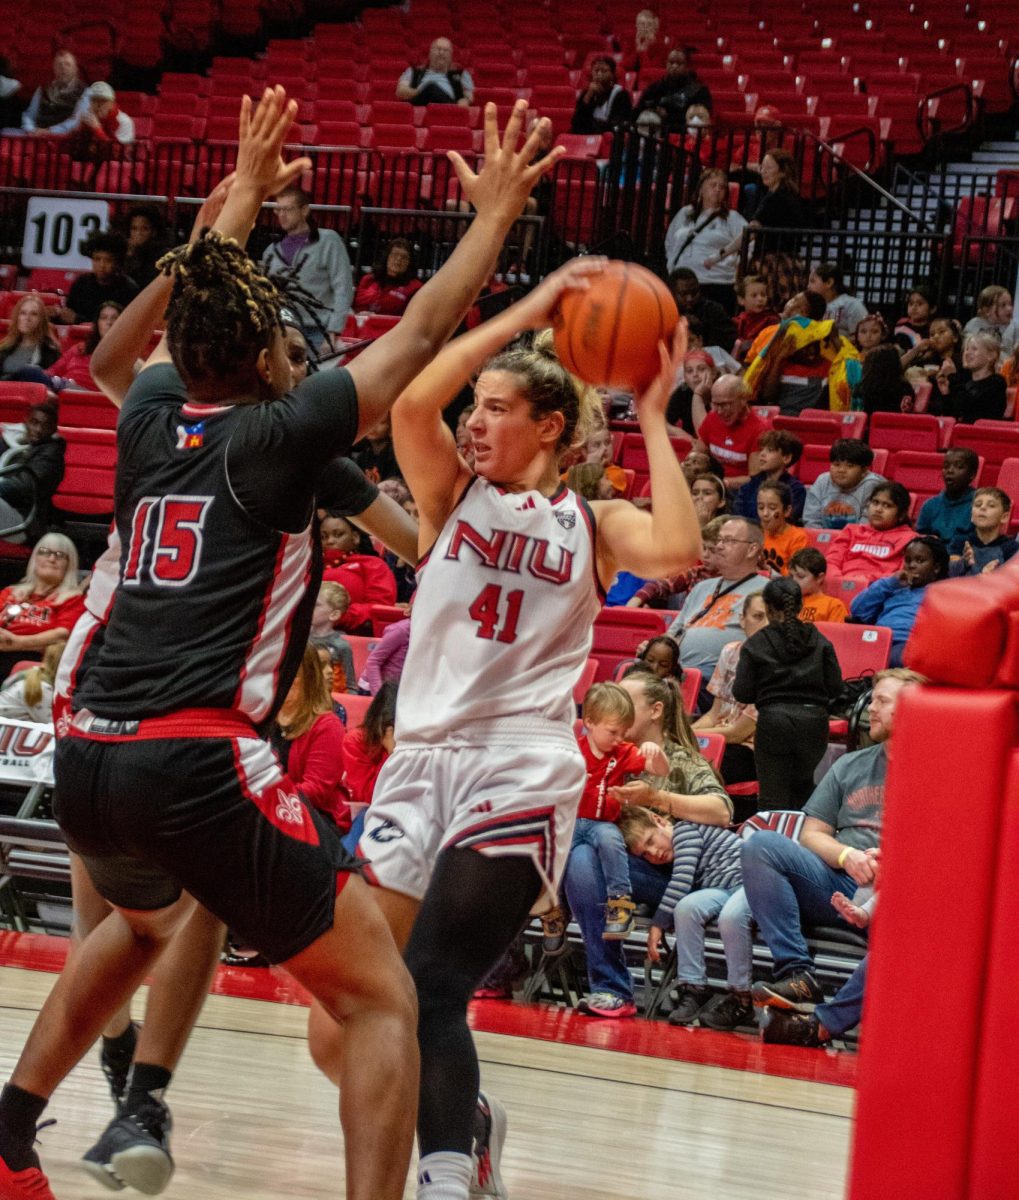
(374, 453)
(310, 740)
(709, 498)
(845, 310)
(870, 333)
(699, 462)
(589, 480)
(781, 540)
(735, 722)
(943, 346)
(689, 403)
(333, 601)
(390, 287)
(883, 387)
(385, 663)
(839, 495)
(790, 673)
(660, 655)
(705, 875)
(32, 471)
(657, 592)
(872, 550)
(106, 283)
(608, 713)
(757, 314)
(948, 515)
(895, 600)
(365, 576)
(598, 449)
(989, 546)
(977, 392)
(28, 695)
(914, 328)
(809, 568)
(777, 451)
(994, 315)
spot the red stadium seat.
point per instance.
(587, 677)
(86, 410)
(690, 689)
(619, 631)
(340, 133)
(448, 137)
(395, 137)
(904, 431)
(87, 487)
(383, 615)
(356, 707)
(712, 747)
(918, 471)
(851, 424)
(994, 441)
(1008, 481)
(820, 430)
(16, 398)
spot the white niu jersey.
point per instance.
(503, 613)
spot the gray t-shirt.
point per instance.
(851, 797)
(709, 620)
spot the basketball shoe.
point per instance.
(29, 1184)
(798, 992)
(115, 1063)
(606, 1004)
(134, 1151)
(488, 1139)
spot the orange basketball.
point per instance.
(609, 333)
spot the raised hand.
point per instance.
(263, 132)
(537, 309)
(501, 188)
(212, 206)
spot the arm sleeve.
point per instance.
(29, 116)
(378, 658)
(686, 846)
(837, 547)
(826, 802)
(74, 296)
(746, 683)
(867, 606)
(832, 671)
(343, 282)
(925, 522)
(72, 121)
(812, 506)
(292, 439)
(344, 489)
(125, 129)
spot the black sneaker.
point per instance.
(134, 1151)
(690, 999)
(792, 1028)
(116, 1066)
(796, 993)
(734, 1010)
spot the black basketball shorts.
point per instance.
(213, 816)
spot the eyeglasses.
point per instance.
(289, 208)
(47, 552)
(731, 541)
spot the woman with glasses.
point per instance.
(44, 606)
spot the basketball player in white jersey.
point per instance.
(473, 813)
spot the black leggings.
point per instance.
(473, 909)
(791, 740)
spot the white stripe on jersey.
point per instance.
(502, 615)
(260, 672)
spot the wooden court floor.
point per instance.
(254, 1119)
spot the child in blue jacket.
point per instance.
(895, 600)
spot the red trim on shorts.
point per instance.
(184, 723)
(366, 869)
(281, 808)
(342, 879)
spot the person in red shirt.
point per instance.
(365, 576)
(874, 549)
(730, 431)
(608, 714)
(389, 288)
(310, 742)
(44, 606)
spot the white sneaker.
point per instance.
(485, 1178)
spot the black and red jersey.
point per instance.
(214, 514)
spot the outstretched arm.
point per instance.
(231, 209)
(668, 539)
(498, 195)
(425, 448)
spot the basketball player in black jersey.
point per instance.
(163, 784)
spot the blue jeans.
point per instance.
(788, 887)
(690, 916)
(585, 891)
(607, 840)
(844, 1010)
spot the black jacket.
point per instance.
(42, 464)
(48, 355)
(770, 673)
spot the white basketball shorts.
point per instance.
(501, 787)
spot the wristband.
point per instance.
(842, 856)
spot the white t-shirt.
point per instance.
(684, 250)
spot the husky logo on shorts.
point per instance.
(566, 519)
(289, 809)
(385, 831)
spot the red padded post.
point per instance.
(951, 749)
(995, 1114)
